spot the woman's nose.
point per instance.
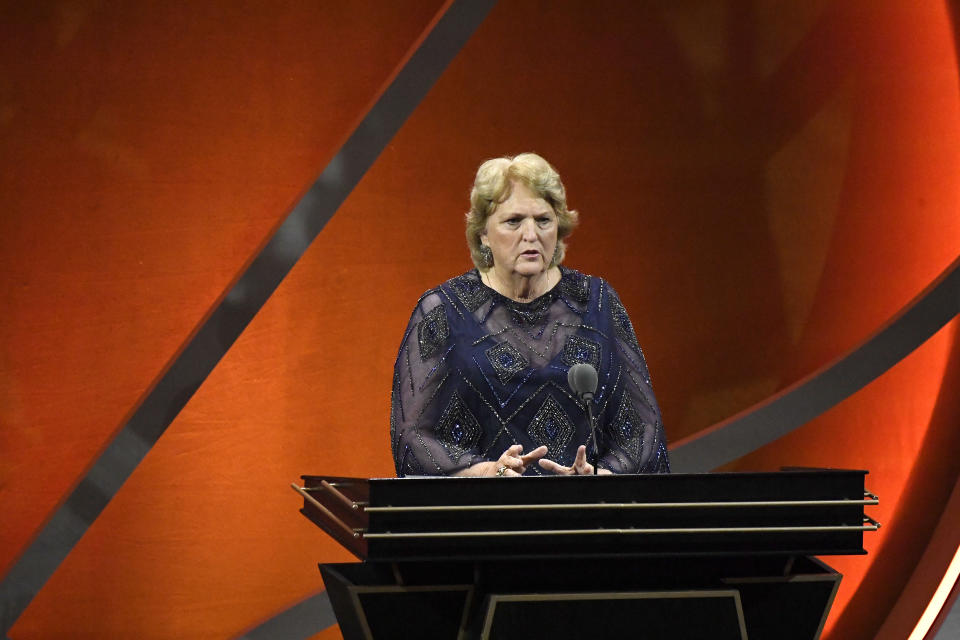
(529, 229)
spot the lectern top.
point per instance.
(795, 511)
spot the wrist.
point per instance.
(479, 470)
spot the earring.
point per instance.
(486, 256)
(555, 260)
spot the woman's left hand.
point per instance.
(580, 466)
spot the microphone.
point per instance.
(582, 379)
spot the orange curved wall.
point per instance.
(765, 187)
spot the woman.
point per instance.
(480, 383)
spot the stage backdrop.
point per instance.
(765, 184)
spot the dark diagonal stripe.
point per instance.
(217, 334)
(302, 620)
(823, 389)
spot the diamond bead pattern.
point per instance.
(506, 360)
(576, 286)
(622, 321)
(551, 427)
(432, 332)
(578, 349)
(458, 431)
(471, 292)
(628, 428)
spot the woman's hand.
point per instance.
(512, 462)
(579, 467)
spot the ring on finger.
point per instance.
(501, 470)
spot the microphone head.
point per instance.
(582, 379)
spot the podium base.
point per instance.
(675, 598)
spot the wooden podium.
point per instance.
(723, 555)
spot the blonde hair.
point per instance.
(493, 185)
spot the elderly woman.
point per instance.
(480, 383)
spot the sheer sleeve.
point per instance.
(633, 437)
(431, 431)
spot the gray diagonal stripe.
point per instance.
(177, 385)
(827, 387)
(950, 629)
(302, 620)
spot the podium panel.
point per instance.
(615, 615)
(670, 598)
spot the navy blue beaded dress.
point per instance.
(478, 372)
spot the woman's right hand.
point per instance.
(513, 461)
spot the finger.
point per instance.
(534, 455)
(583, 467)
(503, 470)
(511, 457)
(581, 458)
(516, 465)
(553, 467)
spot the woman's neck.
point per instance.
(521, 288)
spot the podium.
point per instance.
(721, 555)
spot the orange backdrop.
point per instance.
(764, 185)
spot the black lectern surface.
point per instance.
(723, 554)
(800, 512)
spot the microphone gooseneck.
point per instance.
(583, 379)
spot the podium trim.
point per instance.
(572, 532)
(617, 505)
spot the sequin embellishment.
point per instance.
(578, 349)
(457, 430)
(576, 286)
(471, 292)
(409, 464)
(628, 428)
(432, 332)
(622, 321)
(551, 427)
(529, 313)
(506, 361)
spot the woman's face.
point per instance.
(521, 233)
